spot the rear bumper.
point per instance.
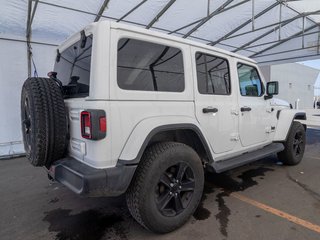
(85, 180)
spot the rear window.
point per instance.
(148, 66)
(73, 68)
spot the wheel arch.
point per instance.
(285, 121)
(187, 133)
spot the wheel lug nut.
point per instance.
(171, 184)
(179, 187)
(170, 193)
(176, 194)
(177, 181)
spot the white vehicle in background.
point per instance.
(133, 111)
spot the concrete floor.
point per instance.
(33, 208)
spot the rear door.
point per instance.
(84, 81)
(215, 100)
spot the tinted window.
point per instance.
(149, 67)
(212, 74)
(73, 68)
(250, 83)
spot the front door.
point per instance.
(215, 101)
(254, 115)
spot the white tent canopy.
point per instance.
(270, 31)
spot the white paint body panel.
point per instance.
(284, 123)
(132, 115)
(143, 128)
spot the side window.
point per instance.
(212, 74)
(147, 66)
(250, 83)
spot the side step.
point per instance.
(246, 158)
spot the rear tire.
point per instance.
(294, 145)
(43, 121)
(167, 187)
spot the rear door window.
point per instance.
(147, 66)
(213, 74)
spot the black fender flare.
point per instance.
(163, 128)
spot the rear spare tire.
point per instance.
(43, 121)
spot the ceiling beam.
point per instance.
(287, 51)
(101, 10)
(267, 43)
(292, 9)
(266, 26)
(188, 25)
(282, 24)
(244, 24)
(156, 18)
(132, 10)
(287, 59)
(283, 41)
(220, 9)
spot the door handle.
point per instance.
(245, 109)
(209, 110)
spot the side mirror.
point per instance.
(272, 89)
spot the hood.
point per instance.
(279, 102)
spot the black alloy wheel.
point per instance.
(294, 146)
(298, 143)
(175, 189)
(167, 186)
(26, 124)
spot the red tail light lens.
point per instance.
(93, 124)
(103, 124)
(86, 127)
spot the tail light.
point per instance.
(93, 124)
(86, 124)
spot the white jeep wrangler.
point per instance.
(133, 111)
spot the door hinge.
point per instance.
(270, 110)
(235, 112)
(234, 137)
(270, 129)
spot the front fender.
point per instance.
(285, 120)
(145, 129)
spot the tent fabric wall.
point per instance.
(270, 31)
(13, 68)
(13, 72)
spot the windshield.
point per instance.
(73, 68)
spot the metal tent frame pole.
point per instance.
(101, 10)
(282, 24)
(31, 14)
(32, 7)
(283, 41)
(156, 18)
(244, 24)
(131, 10)
(267, 43)
(219, 10)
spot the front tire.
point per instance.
(294, 145)
(167, 187)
